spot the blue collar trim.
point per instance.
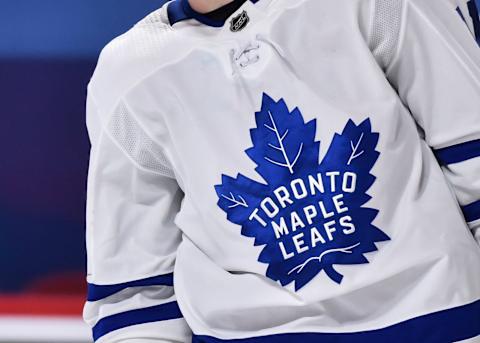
(179, 10)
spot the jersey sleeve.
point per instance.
(433, 62)
(132, 200)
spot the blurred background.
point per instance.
(48, 51)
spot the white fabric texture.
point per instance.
(464, 177)
(172, 331)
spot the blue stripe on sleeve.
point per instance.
(141, 316)
(471, 211)
(459, 11)
(452, 325)
(472, 8)
(98, 292)
(458, 153)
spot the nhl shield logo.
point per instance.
(239, 22)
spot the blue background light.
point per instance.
(48, 51)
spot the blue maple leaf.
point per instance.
(308, 216)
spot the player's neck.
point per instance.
(204, 6)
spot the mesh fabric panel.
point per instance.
(126, 131)
(386, 30)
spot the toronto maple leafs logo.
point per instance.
(308, 216)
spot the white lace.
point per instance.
(249, 54)
(246, 55)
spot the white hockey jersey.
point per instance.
(303, 171)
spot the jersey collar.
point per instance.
(179, 10)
